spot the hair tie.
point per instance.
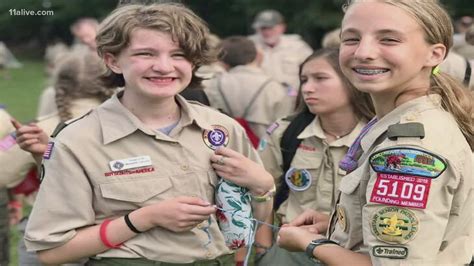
(436, 71)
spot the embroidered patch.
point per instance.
(218, 136)
(341, 218)
(401, 190)
(407, 161)
(262, 144)
(306, 148)
(391, 252)
(7, 142)
(298, 179)
(272, 128)
(129, 163)
(394, 225)
(49, 150)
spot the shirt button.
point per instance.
(184, 167)
(200, 226)
(209, 254)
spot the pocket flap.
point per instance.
(135, 190)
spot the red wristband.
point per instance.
(103, 235)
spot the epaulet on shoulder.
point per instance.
(63, 125)
(406, 130)
(196, 102)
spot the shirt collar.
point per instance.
(416, 105)
(315, 129)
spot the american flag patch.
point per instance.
(272, 128)
(49, 150)
(7, 142)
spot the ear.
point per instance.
(436, 56)
(111, 61)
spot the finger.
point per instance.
(193, 201)
(200, 211)
(227, 152)
(300, 220)
(15, 123)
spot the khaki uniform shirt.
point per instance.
(47, 102)
(98, 168)
(439, 231)
(282, 62)
(16, 162)
(315, 155)
(239, 86)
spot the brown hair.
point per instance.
(437, 26)
(181, 23)
(78, 76)
(360, 101)
(237, 50)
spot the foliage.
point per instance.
(309, 18)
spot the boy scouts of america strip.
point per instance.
(49, 150)
(7, 142)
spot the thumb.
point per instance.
(15, 123)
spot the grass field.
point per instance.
(19, 92)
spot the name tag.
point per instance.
(129, 163)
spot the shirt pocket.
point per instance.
(304, 166)
(129, 194)
(213, 180)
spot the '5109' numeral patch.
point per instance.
(401, 190)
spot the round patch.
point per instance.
(218, 136)
(341, 217)
(298, 179)
(394, 225)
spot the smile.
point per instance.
(161, 79)
(366, 71)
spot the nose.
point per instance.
(366, 50)
(162, 64)
(308, 87)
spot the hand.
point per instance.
(31, 138)
(241, 171)
(315, 222)
(294, 238)
(180, 214)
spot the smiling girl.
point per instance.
(407, 197)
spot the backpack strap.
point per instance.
(467, 74)
(252, 99)
(289, 144)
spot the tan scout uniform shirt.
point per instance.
(315, 155)
(239, 86)
(16, 162)
(80, 188)
(441, 233)
(282, 62)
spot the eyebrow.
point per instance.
(382, 31)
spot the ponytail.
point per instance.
(458, 101)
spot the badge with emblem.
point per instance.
(298, 179)
(218, 136)
(392, 252)
(341, 218)
(394, 225)
(407, 161)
